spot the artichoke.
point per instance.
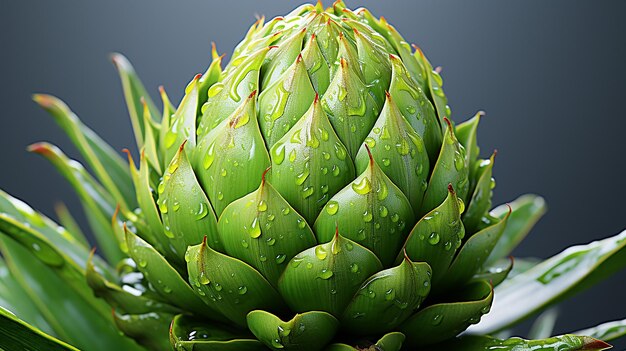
(312, 194)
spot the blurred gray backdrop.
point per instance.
(550, 75)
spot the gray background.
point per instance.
(550, 76)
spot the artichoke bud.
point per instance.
(437, 236)
(326, 277)
(229, 285)
(283, 103)
(399, 151)
(374, 211)
(263, 230)
(228, 154)
(185, 209)
(310, 164)
(351, 109)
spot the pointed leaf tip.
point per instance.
(592, 344)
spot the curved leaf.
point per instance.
(444, 320)
(606, 331)
(149, 329)
(187, 333)
(373, 212)
(229, 285)
(227, 159)
(486, 343)
(186, 212)
(526, 210)
(387, 298)
(16, 334)
(310, 164)
(307, 331)
(108, 166)
(263, 230)
(133, 92)
(97, 202)
(165, 280)
(552, 280)
(326, 277)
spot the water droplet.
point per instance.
(390, 295)
(262, 206)
(363, 186)
(320, 252)
(367, 216)
(332, 207)
(437, 319)
(383, 211)
(386, 161)
(292, 155)
(244, 243)
(280, 258)
(325, 274)
(271, 241)
(255, 229)
(278, 153)
(402, 147)
(203, 278)
(370, 142)
(354, 268)
(461, 205)
(285, 211)
(220, 195)
(202, 212)
(433, 238)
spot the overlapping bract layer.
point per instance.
(318, 173)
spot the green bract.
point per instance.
(312, 194)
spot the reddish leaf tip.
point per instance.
(369, 154)
(343, 62)
(40, 148)
(252, 94)
(317, 98)
(450, 188)
(590, 343)
(197, 77)
(263, 176)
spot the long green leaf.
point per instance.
(486, 343)
(77, 317)
(16, 334)
(97, 202)
(107, 165)
(15, 299)
(552, 280)
(526, 211)
(133, 92)
(607, 331)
